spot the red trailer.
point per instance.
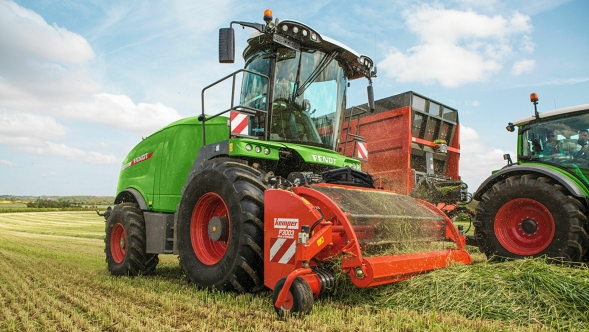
(410, 143)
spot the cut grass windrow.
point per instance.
(56, 282)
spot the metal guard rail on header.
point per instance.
(239, 108)
(374, 270)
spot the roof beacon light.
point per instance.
(267, 16)
(534, 100)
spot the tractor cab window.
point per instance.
(253, 91)
(309, 89)
(254, 87)
(562, 141)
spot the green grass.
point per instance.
(53, 278)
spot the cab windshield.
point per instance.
(308, 97)
(562, 141)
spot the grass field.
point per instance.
(53, 277)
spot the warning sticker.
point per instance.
(282, 251)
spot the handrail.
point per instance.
(239, 108)
(351, 116)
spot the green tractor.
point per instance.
(538, 205)
(179, 187)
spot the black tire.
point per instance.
(125, 242)
(504, 228)
(230, 189)
(300, 298)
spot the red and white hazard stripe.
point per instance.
(239, 125)
(362, 150)
(282, 251)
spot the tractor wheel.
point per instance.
(299, 299)
(220, 228)
(125, 242)
(530, 216)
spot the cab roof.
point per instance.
(296, 35)
(560, 111)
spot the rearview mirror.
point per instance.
(226, 45)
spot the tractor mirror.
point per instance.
(226, 45)
(370, 98)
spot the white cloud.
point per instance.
(62, 150)
(477, 160)
(119, 111)
(489, 4)
(31, 133)
(7, 162)
(17, 125)
(32, 36)
(523, 66)
(42, 64)
(455, 47)
(527, 45)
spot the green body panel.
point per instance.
(159, 165)
(310, 154)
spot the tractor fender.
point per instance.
(519, 169)
(131, 195)
(218, 149)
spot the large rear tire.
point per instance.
(220, 228)
(530, 216)
(125, 242)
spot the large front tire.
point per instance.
(125, 242)
(220, 228)
(530, 216)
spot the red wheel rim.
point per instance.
(118, 243)
(288, 302)
(524, 226)
(209, 252)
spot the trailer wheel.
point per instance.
(530, 216)
(125, 242)
(220, 228)
(299, 299)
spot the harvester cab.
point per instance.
(261, 198)
(537, 205)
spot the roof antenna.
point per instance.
(534, 99)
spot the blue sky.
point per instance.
(82, 82)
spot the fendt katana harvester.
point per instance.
(537, 206)
(256, 195)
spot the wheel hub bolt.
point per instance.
(122, 243)
(529, 226)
